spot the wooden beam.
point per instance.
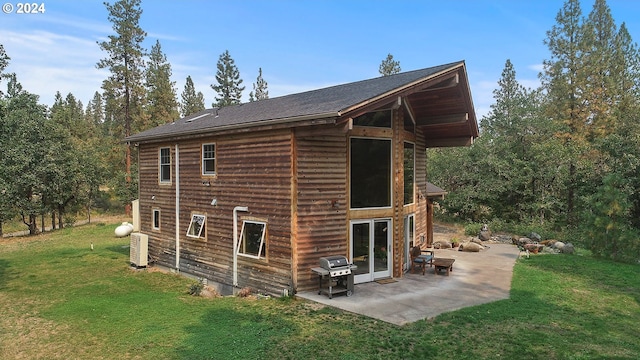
(450, 82)
(450, 142)
(444, 119)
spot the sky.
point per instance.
(300, 45)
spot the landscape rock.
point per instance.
(535, 237)
(476, 240)
(484, 235)
(524, 241)
(471, 247)
(568, 249)
(548, 242)
(442, 244)
(558, 245)
(534, 248)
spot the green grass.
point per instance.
(61, 300)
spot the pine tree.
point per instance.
(124, 90)
(389, 66)
(228, 78)
(4, 62)
(260, 91)
(565, 84)
(94, 112)
(161, 94)
(192, 102)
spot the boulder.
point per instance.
(471, 247)
(534, 248)
(568, 249)
(548, 242)
(476, 240)
(524, 241)
(442, 244)
(558, 245)
(535, 237)
(485, 235)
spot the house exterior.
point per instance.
(253, 195)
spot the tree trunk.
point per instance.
(42, 222)
(33, 228)
(60, 213)
(53, 220)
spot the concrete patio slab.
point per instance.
(477, 278)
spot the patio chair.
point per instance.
(420, 258)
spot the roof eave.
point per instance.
(244, 126)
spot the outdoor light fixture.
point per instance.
(153, 197)
(214, 202)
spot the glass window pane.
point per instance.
(165, 164)
(370, 173)
(196, 226)
(374, 119)
(409, 172)
(253, 239)
(209, 159)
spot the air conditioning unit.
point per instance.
(139, 249)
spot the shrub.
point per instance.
(196, 289)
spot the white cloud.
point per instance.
(46, 62)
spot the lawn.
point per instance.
(61, 300)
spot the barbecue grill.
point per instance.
(339, 273)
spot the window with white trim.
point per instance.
(197, 226)
(252, 239)
(208, 159)
(156, 219)
(165, 165)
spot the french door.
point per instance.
(371, 249)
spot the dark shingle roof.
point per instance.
(321, 103)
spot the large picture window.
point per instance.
(165, 165)
(209, 159)
(252, 239)
(197, 226)
(409, 172)
(370, 173)
(381, 119)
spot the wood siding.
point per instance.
(252, 170)
(296, 180)
(321, 168)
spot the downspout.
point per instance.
(235, 242)
(177, 208)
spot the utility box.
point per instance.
(139, 250)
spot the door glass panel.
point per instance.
(360, 238)
(380, 245)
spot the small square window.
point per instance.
(165, 165)
(208, 159)
(252, 239)
(156, 219)
(197, 225)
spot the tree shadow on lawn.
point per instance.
(227, 333)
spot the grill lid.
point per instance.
(332, 262)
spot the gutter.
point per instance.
(335, 115)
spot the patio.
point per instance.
(477, 278)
